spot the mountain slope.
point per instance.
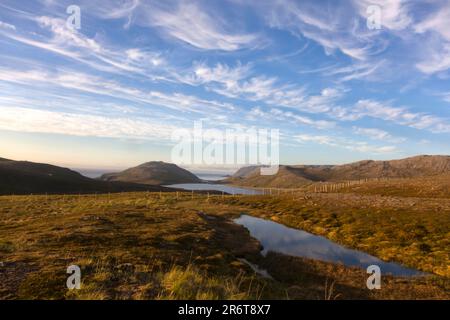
(23, 177)
(300, 175)
(153, 173)
(287, 177)
(419, 166)
(436, 186)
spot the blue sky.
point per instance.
(111, 93)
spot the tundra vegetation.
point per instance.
(178, 246)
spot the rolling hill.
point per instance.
(153, 173)
(287, 177)
(24, 177)
(300, 175)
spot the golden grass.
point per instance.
(152, 246)
(414, 232)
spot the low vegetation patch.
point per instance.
(172, 246)
(414, 232)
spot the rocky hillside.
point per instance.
(153, 173)
(24, 177)
(299, 175)
(287, 177)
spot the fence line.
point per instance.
(318, 187)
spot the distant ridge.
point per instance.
(24, 177)
(153, 173)
(299, 175)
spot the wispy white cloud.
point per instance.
(72, 44)
(240, 82)
(320, 139)
(435, 27)
(437, 58)
(356, 71)
(436, 22)
(385, 111)
(331, 27)
(395, 14)
(257, 114)
(136, 55)
(44, 121)
(191, 24)
(124, 9)
(131, 79)
(446, 96)
(227, 76)
(401, 115)
(339, 142)
(96, 85)
(377, 134)
(4, 25)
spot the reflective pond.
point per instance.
(214, 187)
(279, 238)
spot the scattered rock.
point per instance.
(205, 216)
(125, 268)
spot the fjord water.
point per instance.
(279, 238)
(214, 187)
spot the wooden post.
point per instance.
(192, 194)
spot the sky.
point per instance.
(338, 83)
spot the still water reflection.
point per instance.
(279, 238)
(214, 187)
